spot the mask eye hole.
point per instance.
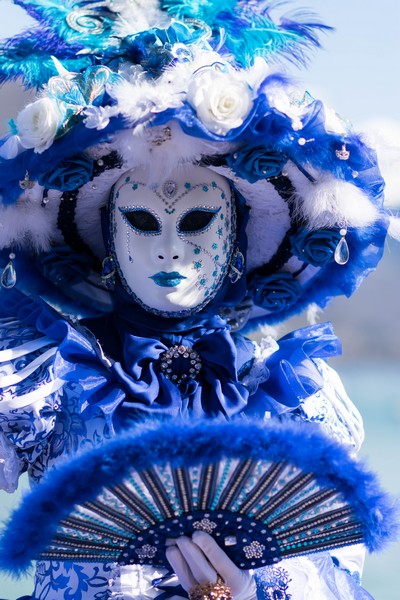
(142, 220)
(196, 220)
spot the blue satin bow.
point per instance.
(216, 390)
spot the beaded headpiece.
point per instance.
(131, 83)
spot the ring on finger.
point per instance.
(211, 591)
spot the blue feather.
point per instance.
(205, 10)
(249, 29)
(28, 56)
(59, 14)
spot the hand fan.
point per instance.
(263, 491)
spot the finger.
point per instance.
(202, 571)
(170, 542)
(180, 568)
(229, 572)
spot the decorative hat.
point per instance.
(130, 84)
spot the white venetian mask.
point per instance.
(172, 242)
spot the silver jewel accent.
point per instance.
(146, 551)
(230, 540)
(302, 141)
(108, 272)
(343, 154)
(163, 136)
(26, 183)
(170, 189)
(236, 267)
(254, 550)
(342, 253)
(205, 525)
(189, 362)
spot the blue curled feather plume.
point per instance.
(80, 33)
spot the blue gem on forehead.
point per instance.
(169, 189)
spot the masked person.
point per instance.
(163, 192)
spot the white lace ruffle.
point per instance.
(259, 372)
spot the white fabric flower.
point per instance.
(97, 117)
(221, 100)
(38, 124)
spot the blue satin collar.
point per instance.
(135, 385)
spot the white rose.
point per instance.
(38, 124)
(221, 100)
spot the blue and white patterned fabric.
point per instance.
(310, 578)
(50, 375)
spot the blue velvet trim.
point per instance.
(32, 525)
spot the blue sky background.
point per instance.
(358, 74)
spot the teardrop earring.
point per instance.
(342, 253)
(9, 275)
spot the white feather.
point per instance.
(25, 224)
(138, 15)
(330, 202)
(394, 228)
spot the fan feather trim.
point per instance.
(189, 444)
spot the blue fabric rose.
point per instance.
(69, 175)
(274, 292)
(64, 267)
(315, 247)
(256, 163)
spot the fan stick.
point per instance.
(208, 483)
(318, 521)
(241, 472)
(156, 489)
(302, 507)
(288, 491)
(95, 528)
(126, 496)
(109, 513)
(321, 544)
(263, 487)
(183, 488)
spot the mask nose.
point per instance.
(168, 247)
(164, 256)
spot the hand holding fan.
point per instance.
(263, 491)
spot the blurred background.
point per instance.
(356, 73)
